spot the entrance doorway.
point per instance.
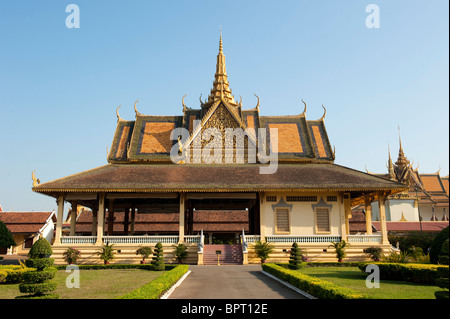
(222, 216)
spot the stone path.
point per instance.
(231, 282)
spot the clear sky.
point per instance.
(59, 87)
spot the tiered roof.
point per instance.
(305, 156)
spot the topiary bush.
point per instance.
(443, 257)
(436, 246)
(158, 257)
(296, 257)
(36, 283)
(40, 249)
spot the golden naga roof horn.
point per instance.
(117, 113)
(304, 110)
(36, 181)
(135, 109)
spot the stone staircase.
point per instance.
(231, 254)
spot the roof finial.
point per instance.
(304, 110)
(400, 139)
(220, 41)
(135, 109)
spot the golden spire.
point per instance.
(221, 87)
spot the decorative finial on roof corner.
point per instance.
(368, 172)
(324, 113)
(117, 113)
(439, 171)
(135, 109)
(182, 102)
(257, 104)
(304, 110)
(36, 181)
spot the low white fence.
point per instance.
(72, 240)
(364, 239)
(302, 239)
(78, 240)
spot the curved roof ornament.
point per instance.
(304, 110)
(36, 181)
(202, 104)
(182, 102)
(117, 113)
(135, 109)
(368, 172)
(257, 105)
(324, 113)
(439, 171)
(240, 101)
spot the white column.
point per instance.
(59, 219)
(181, 219)
(368, 209)
(382, 208)
(347, 214)
(100, 218)
(73, 218)
(262, 220)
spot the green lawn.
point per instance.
(94, 284)
(353, 278)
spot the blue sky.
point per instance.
(59, 87)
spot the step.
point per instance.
(231, 254)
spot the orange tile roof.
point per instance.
(432, 183)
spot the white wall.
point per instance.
(302, 219)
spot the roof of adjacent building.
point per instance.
(427, 226)
(217, 177)
(26, 222)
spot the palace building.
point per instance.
(218, 174)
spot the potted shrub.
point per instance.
(263, 250)
(145, 252)
(106, 253)
(71, 255)
(158, 258)
(373, 252)
(181, 252)
(340, 249)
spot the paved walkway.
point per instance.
(231, 282)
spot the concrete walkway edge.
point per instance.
(169, 292)
(307, 295)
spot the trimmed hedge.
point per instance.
(114, 266)
(317, 287)
(39, 263)
(417, 273)
(156, 288)
(37, 289)
(34, 277)
(13, 274)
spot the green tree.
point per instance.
(6, 238)
(436, 246)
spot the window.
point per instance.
(282, 220)
(301, 198)
(322, 220)
(271, 198)
(28, 242)
(331, 198)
